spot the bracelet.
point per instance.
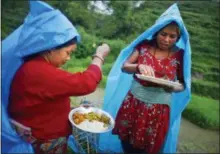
(101, 58)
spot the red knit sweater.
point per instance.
(39, 96)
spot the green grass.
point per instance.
(206, 88)
(206, 70)
(70, 151)
(204, 59)
(102, 84)
(203, 111)
(106, 68)
(76, 69)
(77, 62)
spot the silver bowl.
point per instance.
(88, 109)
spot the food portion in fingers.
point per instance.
(146, 70)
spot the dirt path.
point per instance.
(192, 139)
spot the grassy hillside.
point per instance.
(201, 19)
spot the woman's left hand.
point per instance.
(168, 88)
(173, 89)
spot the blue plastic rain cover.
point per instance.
(43, 28)
(118, 84)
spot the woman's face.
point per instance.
(167, 37)
(59, 57)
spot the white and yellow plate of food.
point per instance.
(91, 119)
(159, 80)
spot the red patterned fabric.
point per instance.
(146, 125)
(50, 146)
(54, 146)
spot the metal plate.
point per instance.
(82, 109)
(159, 80)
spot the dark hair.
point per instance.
(68, 43)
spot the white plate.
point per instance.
(158, 80)
(91, 129)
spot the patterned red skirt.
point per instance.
(144, 125)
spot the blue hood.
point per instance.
(118, 83)
(43, 28)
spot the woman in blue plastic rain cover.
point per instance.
(143, 118)
(35, 90)
(148, 114)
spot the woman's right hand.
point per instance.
(103, 50)
(146, 70)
